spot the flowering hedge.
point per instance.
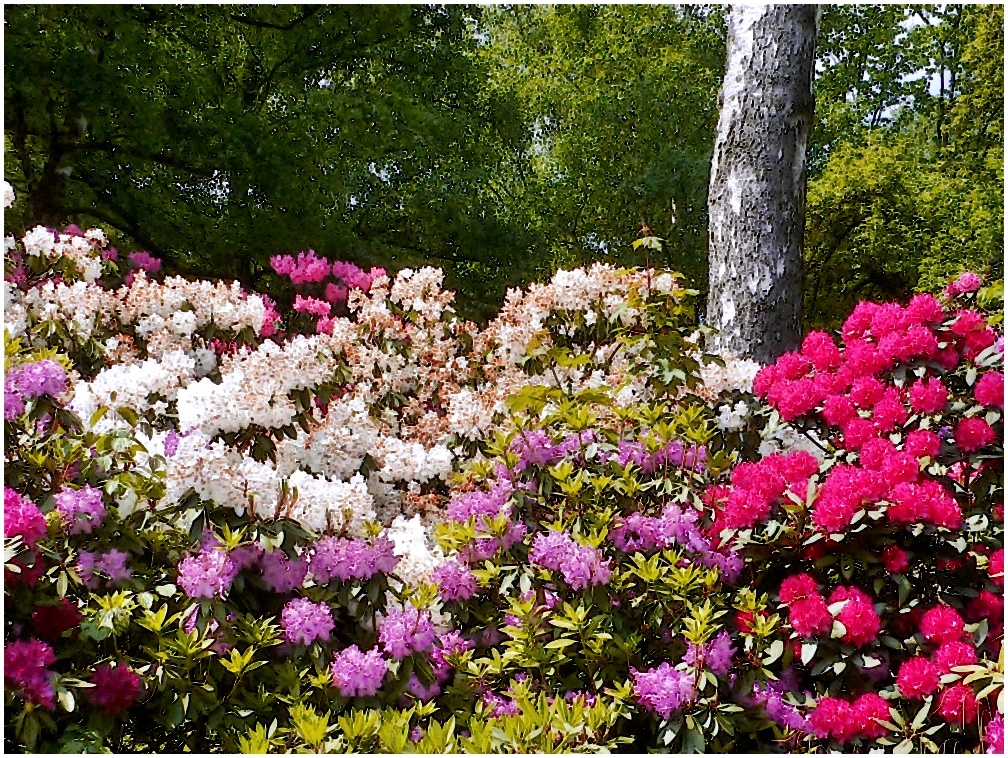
(351, 521)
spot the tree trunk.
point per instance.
(757, 186)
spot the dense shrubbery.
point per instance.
(357, 523)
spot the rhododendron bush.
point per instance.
(351, 521)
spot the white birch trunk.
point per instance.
(757, 186)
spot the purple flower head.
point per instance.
(779, 711)
(499, 706)
(304, 622)
(462, 507)
(450, 643)
(407, 631)
(663, 690)
(580, 565)
(207, 574)
(82, 510)
(422, 693)
(146, 261)
(455, 581)
(716, 655)
(247, 556)
(110, 254)
(357, 674)
(346, 559)
(280, 573)
(113, 565)
(171, 443)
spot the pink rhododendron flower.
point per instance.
(954, 653)
(918, 677)
(973, 433)
(989, 389)
(25, 669)
(23, 518)
(819, 349)
(810, 616)
(996, 567)
(958, 704)
(115, 689)
(942, 624)
(966, 283)
(858, 616)
(834, 717)
(923, 443)
(869, 709)
(928, 396)
(994, 735)
(894, 559)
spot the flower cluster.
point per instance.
(30, 381)
(358, 674)
(406, 631)
(663, 690)
(580, 565)
(25, 663)
(304, 622)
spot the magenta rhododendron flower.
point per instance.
(869, 710)
(989, 389)
(942, 624)
(928, 396)
(858, 616)
(973, 433)
(23, 518)
(954, 653)
(115, 689)
(834, 717)
(918, 677)
(994, 735)
(996, 567)
(894, 559)
(958, 704)
(25, 663)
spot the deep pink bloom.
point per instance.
(834, 717)
(918, 677)
(958, 705)
(894, 559)
(820, 350)
(23, 518)
(942, 624)
(989, 389)
(810, 616)
(115, 688)
(994, 735)
(51, 621)
(973, 433)
(996, 567)
(25, 669)
(797, 587)
(954, 653)
(923, 443)
(928, 396)
(858, 616)
(869, 709)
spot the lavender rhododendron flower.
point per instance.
(663, 690)
(357, 674)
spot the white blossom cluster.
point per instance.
(143, 386)
(81, 250)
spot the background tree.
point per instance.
(907, 182)
(218, 136)
(757, 189)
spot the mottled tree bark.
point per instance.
(757, 186)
